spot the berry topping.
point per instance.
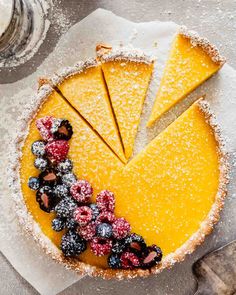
(46, 199)
(61, 129)
(129, 260)
(65, 166)
(40, 164)
(153, 256)
(83, 215)
(48, 177)
(114, 261)
(71, 223)
(81, 191)
(44, 126)
(136, 243)
(105, 201)
(58, 224)
(95, 209)
(87, 232)
(65, 207)
(68, 179)
(61, 190)
(106, 217)
(100, 246)
(104, 230)
(119, 246)
(57, 150)
(38, 148)
(121, 228)
(34, 183)
(72, 244)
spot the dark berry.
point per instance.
(71, 223)
(44, 126)
(105, 201)
(68, 179)
(106, 217)
(119, 246)
(46, 199)
(34, 183)
(88, 231)
(153, 256)
(136, 243)
(72, 244)
(65, 166)
(58, 224)
(41, 164)
(121, 228)
(95, 209)
(48, 177)
(61, 129)
(65, 207)
(81, 191)
(61, 191)
(38, 148)
(57, 150)
(129, 260)
(83, 215)
(104, 230)
(101, 247)
(114, 261)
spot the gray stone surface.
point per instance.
(213, 19)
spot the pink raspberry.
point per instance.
(87, 232)
(83, 215)
(106, 217)
(81, 191)
(129, 260)
(120, 228)
(101, 247)
(57, 150)
(44, 126)
(106, 201)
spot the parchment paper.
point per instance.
(79, 43)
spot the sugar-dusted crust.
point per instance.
(209, 48)
(32, 227)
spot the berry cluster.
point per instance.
(86, 223)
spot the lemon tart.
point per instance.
(192, 60)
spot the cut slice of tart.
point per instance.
(84, 87)
(127, 75)
(192, 60)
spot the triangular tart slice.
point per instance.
(127, 74)
(84, 88)
(192, 60)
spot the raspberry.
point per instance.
(83, 215)
(129, 260)
(114, 261)
(44, 126)
(81, 191)
(106, 217)
(105, 201)
(104, 230)
(101, 247)
(38, 148)
(87, 232)
(57, 150)
(72, 244)
(153, 256)
(61, 129)
(121, 228)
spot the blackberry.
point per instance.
(49, 177)
(41, 163)
(61, 129)
(95, 210)
(72, 244)
(68, 179)
(65, 166)
(71, 223)
(153, 256)
(114, 261)
(46, 199)
(104, 230)
(61, 191)
(119, 246)
(65, 207)
(38, 148)
(58, 224)
(136, 243)
(34, 183)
